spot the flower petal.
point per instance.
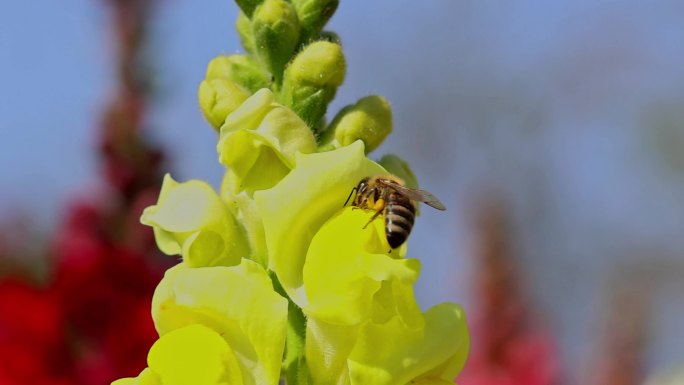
(245, 211)
(302, 202)
(327, 348)
(238, 302)
(254, 159)
(194, 355)
(348, 273)
(259, 141)
(392, 353)
(146, 377)
(190, 218)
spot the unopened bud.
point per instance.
(276, 34)
(239, 69)
(370, 120)
(219, 97)
(314, 14)
(320, 64)
(311, 80)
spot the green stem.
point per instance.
(294, 360)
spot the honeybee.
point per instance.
(387, 194)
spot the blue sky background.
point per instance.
(573, 110)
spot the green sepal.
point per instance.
(248, 6)
(244, 28)
(311, 103)
(331, 37)
(313, 15)
(398, 167)
(275, 27)
(294, 361)
(312, 79)
(294, 358)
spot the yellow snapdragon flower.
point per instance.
(238, 302)
(217, 325)
(191, 355)
(296, 208)
(190, 219)
(363, 323)
(259, 140)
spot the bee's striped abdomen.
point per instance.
(399, 216)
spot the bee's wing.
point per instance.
(413, 194)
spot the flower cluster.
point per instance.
(278, 280)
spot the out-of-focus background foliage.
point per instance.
(553, 131)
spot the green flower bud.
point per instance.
(248, 6)
(311, 80)
(244, 28)
(398, 167)
(276, 34)
(218, 98)
(313, 14)
(370, 120)
(320, 64)
(240, 69)
(229, 81)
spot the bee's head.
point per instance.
(362, 186)
(358, 190)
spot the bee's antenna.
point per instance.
(350, 195)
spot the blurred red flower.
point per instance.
(90, 323)
(31, 335)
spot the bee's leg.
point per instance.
(361, 204)
(378, 207)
